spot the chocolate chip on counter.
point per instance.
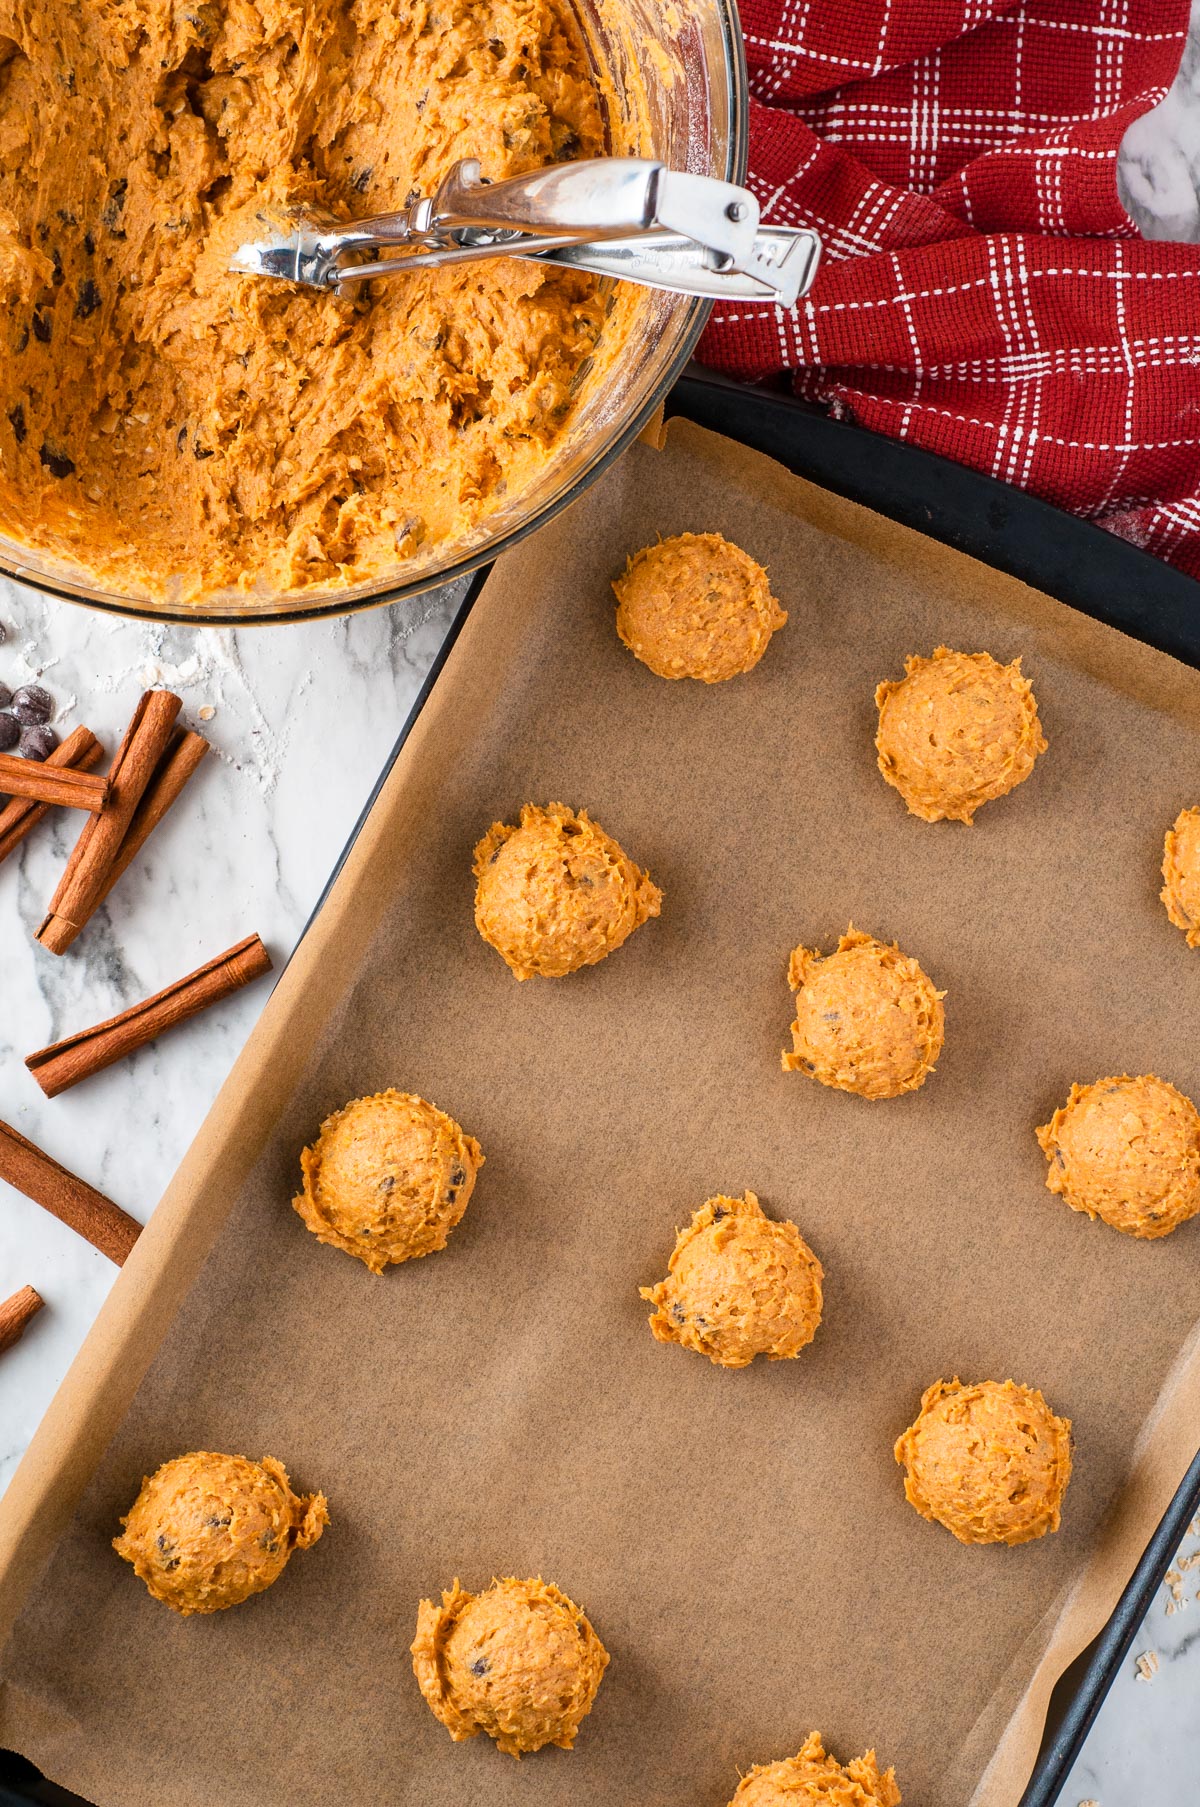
(37, 743)
(87, 300)
(16, 420)
(5, 693)
(480, 1666)
(57, 463)
(32, 705)
(10, 733)
(41, 327)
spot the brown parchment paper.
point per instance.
(741, 1540)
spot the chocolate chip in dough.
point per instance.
(57, 463)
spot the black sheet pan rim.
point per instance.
(1066, 557)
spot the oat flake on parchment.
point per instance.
(1147, 1665)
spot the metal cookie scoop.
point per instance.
(624, 217)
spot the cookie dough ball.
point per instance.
(387, 1178)
(557, 893)
(957, 731)
(815, 1779)
(696, 607)
(207, 1531)
(990, 1462)
(519, 1662)
(1126, 1150)
(1181, 874)
(738, 1285)
(868, 1020)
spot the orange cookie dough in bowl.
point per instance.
(387, 1179)
(814, 1778)
(1128, 1151)
(179, 440)
(1181, 874)
(955, 732)
(207, 1530)
(519, 1662)
(868, 1019)
(739, 1284)
(696, 607)
(989, 1462)
(557, 893)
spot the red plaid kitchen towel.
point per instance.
(983, 292)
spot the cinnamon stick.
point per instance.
(66, 1196)
(184, 752)
(15, 1313)
(65, 1063)
(79, 752)
(45, 783)
(83, 883)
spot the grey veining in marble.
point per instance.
(1159, 165)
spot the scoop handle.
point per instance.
(595, 199)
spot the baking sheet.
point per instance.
(740, 1540)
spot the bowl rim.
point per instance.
(129, 608)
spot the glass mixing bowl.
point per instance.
(680, 70)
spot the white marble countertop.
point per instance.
(304, 718)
